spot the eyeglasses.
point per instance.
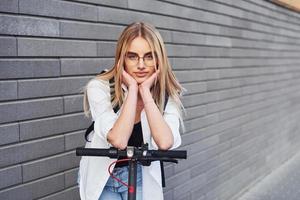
(133, 58)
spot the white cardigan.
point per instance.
(93, 170)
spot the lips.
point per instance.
(141, 74)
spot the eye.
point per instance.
(149, 57)
(132, 56)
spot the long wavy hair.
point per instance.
(166, 81)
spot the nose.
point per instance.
(141, 64)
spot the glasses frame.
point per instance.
(143, 57)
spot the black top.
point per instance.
(136, 140)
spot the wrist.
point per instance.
(145, 93)
(133, 87)
(150, 101)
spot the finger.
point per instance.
(156, 76)
(124, 76)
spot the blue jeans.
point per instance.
(114, 190)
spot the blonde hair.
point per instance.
(166, 81)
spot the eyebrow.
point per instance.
(137, 53)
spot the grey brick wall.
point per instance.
(238, 60)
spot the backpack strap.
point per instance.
(112, 91)
(162, 169)
(88, 131)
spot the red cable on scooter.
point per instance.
(130, 188)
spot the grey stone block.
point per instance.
(191, 76)
(71, 177)
(228, 94)
(201, 122)
(166, 35)
(157, 7)
(186, 196)
(204, 63)
(10, 176)
(106, 48)
(51, 87)
(52, 126)
(85, 66)
(191, 136)
(28, 68)
(55, 48)
(181, 37)
(177, 179)
(114, 15)
(39, 108)
(194, 100)
(8, 112)
(30, 109)
(116, 3)
(74, 140)
(212, 74)
(22, 152)
(179, 50)
(73, 104)
(223, 84)
(218, 169)
(169, 170)
(15, 25)
(193, 160)
(168, 195)
(203, 144)
(48, 166)
(203, 167)
(193, 184)
(172, 10)
(8, 46)
(8, 90)
(9, 6)
(70, 193)
(168, 22)
(194, 112)
(59, 9)
(36, 189)
(90, 30)
(9, 133)
(230, 134)
(194, 87)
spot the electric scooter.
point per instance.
(135, 154)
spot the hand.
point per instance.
(144, 88)
(128, 80)
(147, 84)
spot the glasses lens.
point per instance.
(132, 59)
(149, 60)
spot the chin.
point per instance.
(140, 80)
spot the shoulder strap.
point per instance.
(166, 100)
(112, 91)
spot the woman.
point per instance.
(142, 78)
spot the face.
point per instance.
(140, 69)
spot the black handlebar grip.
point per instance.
(179, 154)
(112, 153)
